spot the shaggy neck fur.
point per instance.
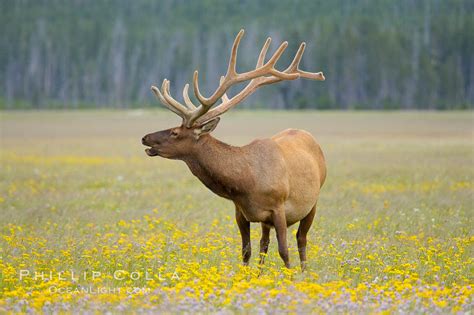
(218, 165)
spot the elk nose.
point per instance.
(144, 140)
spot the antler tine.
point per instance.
(165, 90)
(263, 53)
(231, 73)
(186, 98)
(276, 55)
(197, 93)
(233, 55)
(311, 75)
(294, 66)
(161, 98)
(296, 61)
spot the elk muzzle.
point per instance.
(151, 151)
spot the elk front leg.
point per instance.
(264, 242)
(303, 229)
(244, 227)
(279, 221)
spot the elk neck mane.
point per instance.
(221, 167)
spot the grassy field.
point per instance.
(89, 222)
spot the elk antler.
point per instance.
(263, 74)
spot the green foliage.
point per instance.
(375, 54)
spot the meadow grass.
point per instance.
(393, 230)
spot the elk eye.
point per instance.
(174, 133)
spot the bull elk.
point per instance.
(273, 181)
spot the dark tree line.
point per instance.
(374, 53)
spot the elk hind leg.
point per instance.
(301, 236)
(279, 222)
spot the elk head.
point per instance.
(176, 142)
(200, 120)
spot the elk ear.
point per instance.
(207, 127)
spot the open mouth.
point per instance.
(151, 152)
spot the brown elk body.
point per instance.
(273, 181)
